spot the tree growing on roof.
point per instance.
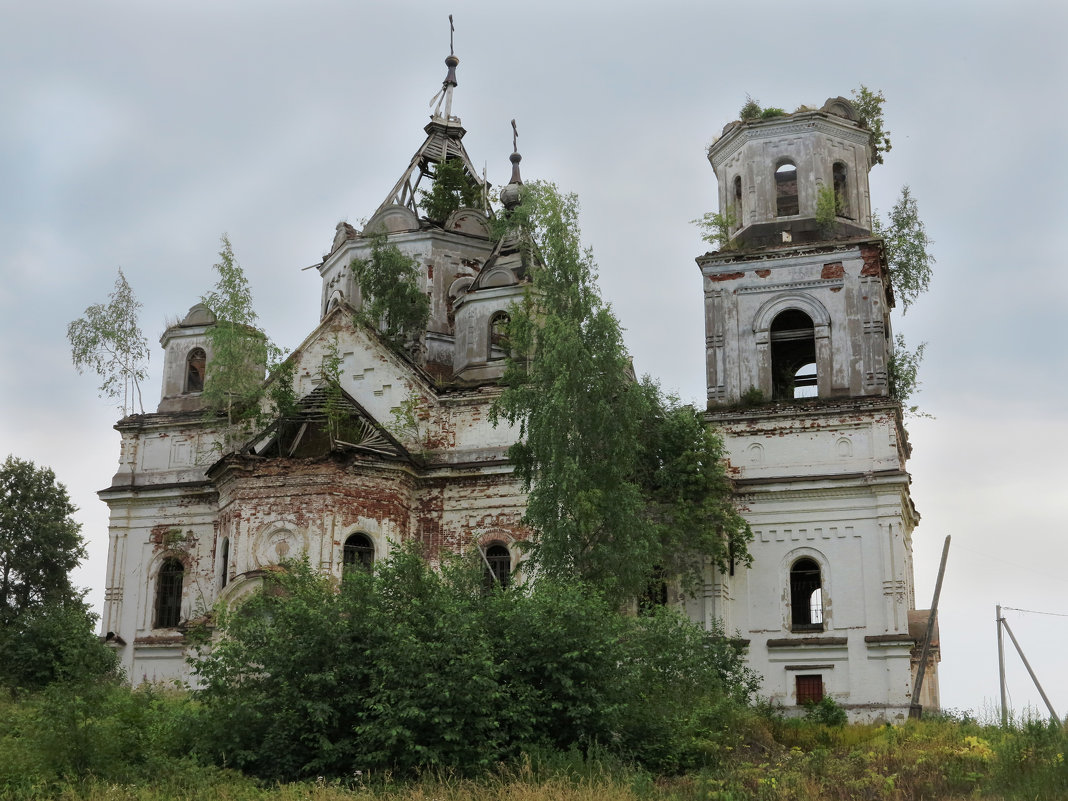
(239, 350)
(393, 302)
(109, 341)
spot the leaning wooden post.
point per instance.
(916, 709)
(1034, 678)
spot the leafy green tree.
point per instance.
(239, 350)
(593, 440)
(109, 341)
(869, 106)
(40, 541)
(452, 189)
(907, 245)
(393, 301)
(45, 627)
(903, 375)
(53, 642)
(717, 228)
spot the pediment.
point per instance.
(327, 420)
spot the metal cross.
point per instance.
(515, 136)
(451, 30)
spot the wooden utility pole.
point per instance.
(915, 709)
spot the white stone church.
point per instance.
(797, 340)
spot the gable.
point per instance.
(327, 419)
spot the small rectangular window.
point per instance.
(809, 689)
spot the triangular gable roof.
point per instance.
(361, 432)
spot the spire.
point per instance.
(443, 142)
(510, 193)
(445, 95)
(515, 251)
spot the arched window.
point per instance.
(806, 596)
(793, 356)
(359, 553)
(841, 191)
(498, 336)
(786, 197)
(169, 594)
(737, 201)
(194, 370)
(224, 559)
(498, 569)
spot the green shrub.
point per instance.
(407, 669)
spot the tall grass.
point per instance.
(105, 741)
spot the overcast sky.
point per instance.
(134, 134)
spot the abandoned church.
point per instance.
(798, 346)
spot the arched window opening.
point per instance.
(806, 596)
(737, 201)
(793, 356)
(841, 191)
(224, 559)
(498, 336)
(498, 568)
(195, 364)
(359, 553)
(169, 594)
(656, 593)
(786, 197)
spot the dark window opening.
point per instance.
(194, 370)
(359, 553)
(737, 201)
(498, 571)
(498, 336)
(655, 594)
(225, 559)
(169, 594)
(809, 689)
(793, 356)
(786, 197)
(841, 193)
(806, 596)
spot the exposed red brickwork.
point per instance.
(832, 270)
(873, 262)
(725, 276)
(763, 273)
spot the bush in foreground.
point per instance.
(408, 669)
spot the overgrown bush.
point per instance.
(406, 669)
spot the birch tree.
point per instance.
(109, 341)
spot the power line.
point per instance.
(1036, 612)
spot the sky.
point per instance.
(135, 134)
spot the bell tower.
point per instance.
(798, 347)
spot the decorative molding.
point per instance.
(819, 283)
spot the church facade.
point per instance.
(798, 343)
